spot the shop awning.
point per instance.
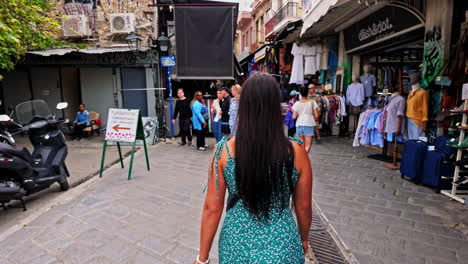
(290, 33)
(327, 16)
(64, 51)
(260, 54)
(317, 13)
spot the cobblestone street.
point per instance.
(155, 217)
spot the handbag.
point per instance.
(310, 257)
(204, 113)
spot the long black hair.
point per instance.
(262, 151)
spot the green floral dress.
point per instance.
(246, 240)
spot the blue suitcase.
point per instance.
(412, 159)
(441, 144)
(437, 164)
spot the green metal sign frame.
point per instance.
(140, 135)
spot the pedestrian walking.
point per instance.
(305, 113)
(234, 107)
(183, 111)
(225, 105)
(288, 119)
(200, 117)
(216, 111)
(315, 97)
(259, 226)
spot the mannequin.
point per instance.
(355, 100)
(394, 122)
(417, 108)
(368, 81)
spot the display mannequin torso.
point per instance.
(368, 81)
(355, 94)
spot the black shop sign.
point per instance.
(387, 22)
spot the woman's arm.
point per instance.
(213, 208)
(197, 111)
(295, 114)
(303, 194)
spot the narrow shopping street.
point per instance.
(155, 217)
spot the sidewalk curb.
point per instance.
(63, 198)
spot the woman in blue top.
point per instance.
(199, 118)
(262, 170)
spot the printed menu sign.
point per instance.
(122, 125)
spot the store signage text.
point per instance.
(379, 25)
(383, 26)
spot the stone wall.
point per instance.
(102, 36)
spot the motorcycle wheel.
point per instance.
(64, 185)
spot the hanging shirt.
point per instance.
(297, 74)
(395, 108)
(343, 107)
(355, 94)
(369, 83)
(312, 59)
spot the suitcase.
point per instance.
(412, 160)
(437, 165)
(441, 144)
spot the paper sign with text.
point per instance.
(465, 91)
(122, 125)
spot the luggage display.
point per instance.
(436, 166)
(441, 144)
(413, 159)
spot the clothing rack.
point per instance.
(459, 195)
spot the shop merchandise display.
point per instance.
(297, 74)
(417, 109)
(369, 130)
(368, 81)
(355, 99)
(334, 109)
(312, 59)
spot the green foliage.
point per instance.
(26, 25)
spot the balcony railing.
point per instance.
(290, 9)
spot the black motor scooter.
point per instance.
(6, 124)
(23, 173)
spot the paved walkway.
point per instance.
(155, 217)
(83, 162)
(381, 217)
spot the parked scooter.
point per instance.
(23, 173)
(6, 122)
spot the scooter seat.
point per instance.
(21, 152)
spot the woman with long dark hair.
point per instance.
(262, 169)
(199, 119)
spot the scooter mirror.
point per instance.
(4, 118)
(62, 105)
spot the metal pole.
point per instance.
(169, 84)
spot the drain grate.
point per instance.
(323, 246)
